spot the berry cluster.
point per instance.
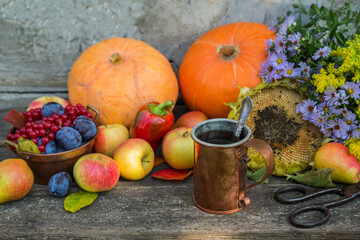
(42, 124)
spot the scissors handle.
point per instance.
(298, 211)
(305, 193)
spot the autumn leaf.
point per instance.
(172, 174)
(257, 175)
(15, 118)
(158, 161)
(314, 178)
(27, 145)
(75, 201)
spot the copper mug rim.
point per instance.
(230, 145)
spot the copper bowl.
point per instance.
(44, 166)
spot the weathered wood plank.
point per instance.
(156, 209)
(20, 100)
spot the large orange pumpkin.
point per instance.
(118, 76)
(222, 59)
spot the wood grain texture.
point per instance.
(157, 209)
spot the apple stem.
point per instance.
(146, 161)
(186, 134)
(161, 109)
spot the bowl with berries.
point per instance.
(52, 138)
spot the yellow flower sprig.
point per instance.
(335, 77)
(327, 78)
(354, 147)
(351, 56)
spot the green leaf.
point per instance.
(74, 202)
(233, 107)
(341, 38)
(311, 48)
(256, 175)
(314, 178)
(298, 24)
(333, 31)
(357, 19)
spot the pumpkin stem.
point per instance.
(116, 58)
(228, 52)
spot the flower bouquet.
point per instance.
(316, 51)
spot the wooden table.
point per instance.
(157, 209)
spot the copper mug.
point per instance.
(220, 165)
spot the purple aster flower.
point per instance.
(327, 131)
(305, 69)
(290, 71)
(342, 100)
(272, 28)
(265, 69)
(342, 111)
(322, 52)
(288, 22)
(350, 120)
(273, 75)
(291, 19)
(277, 74)
(273, 24)
(326, 108)
(269, 44)
(317, 119)
(279, 44)
(295, 40)
(331, 97)
(277, 60)
(352, 89)
(352, 133)
(283, 28)
(306, 108)
(349, 115)
(339, 128)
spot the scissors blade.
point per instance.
(349, 193)
(305, 193)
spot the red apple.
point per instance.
(96, 172)
(190, 119)
(109, 138)
(39, 102)
(335, 155)
(16, 179)
(178, 148)
(135, 158)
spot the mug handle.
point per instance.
(265, 150)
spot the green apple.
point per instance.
(178, 148)
(135, 158)
(109, 138)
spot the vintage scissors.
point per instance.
(347, 193)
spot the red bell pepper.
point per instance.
(152, 122)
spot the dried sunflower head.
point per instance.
(274, 119)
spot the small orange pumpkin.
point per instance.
(218, 62)
(120, 75)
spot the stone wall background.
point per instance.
(41, 39)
